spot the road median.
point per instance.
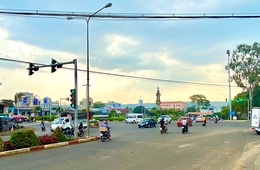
(49, 146)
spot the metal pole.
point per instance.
(60, 108)
(248, 109)
(76, 99)
(229, 87)
(87, 53)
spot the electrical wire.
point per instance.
(125, 76)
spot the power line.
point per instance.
(131, 15)
(121, 75)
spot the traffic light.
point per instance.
(73, 98)
(32, 68)
(53, 68)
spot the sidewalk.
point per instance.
(49, 146)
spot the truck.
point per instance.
(255, 120)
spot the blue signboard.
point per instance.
(25, 100)
(35, 101)
(233, 113)
(45, 100)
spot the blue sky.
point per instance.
(172, 49)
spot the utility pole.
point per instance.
(229, 87)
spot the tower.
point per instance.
(158, 100)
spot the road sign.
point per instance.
(25, 100)
(45, 100)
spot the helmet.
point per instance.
(80, 121)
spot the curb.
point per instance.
(49, 146)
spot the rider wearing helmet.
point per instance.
(80, 125)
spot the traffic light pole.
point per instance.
(76, 98)
(53, 66)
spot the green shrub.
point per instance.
(117, 118)
(24, 138)
(59, 134)
(2, 145)
(69, 138)
(47, 118)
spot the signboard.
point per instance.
(25, 100)
(233, 113)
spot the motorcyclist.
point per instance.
(163, 124)
(203, 119)
(216, 118)
(105, 124)
(80, 125)
(184, 124)
(42, 125)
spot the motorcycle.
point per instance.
(204, 123)
(163, 129)
(43, 128)
(216, 120)
(69, 132)
(80, 132)
(184, 129)
(104, 134)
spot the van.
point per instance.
(133, 118)
(62, 122)
(255, 120)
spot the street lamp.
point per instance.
(87, 51)
(229, 87)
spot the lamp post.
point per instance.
(229, 87)
(87, 51)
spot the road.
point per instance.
(221, 146)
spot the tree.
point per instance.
(8, 102)
(240, 105)
(141, 109)
(191, 109)
(256, 97)
(37, 109)
(224, 112)
(98, 105)
(201, 101)
(245, 64)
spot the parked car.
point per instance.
(147, 122)
(199, 119)
(167, 118)
(189, 121)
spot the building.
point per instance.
(176, 105)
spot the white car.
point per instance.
(199, 119)
(167, 118)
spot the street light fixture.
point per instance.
(87, 51)
(229, 87)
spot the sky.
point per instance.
(176, 50)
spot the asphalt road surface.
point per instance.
(222, 146)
